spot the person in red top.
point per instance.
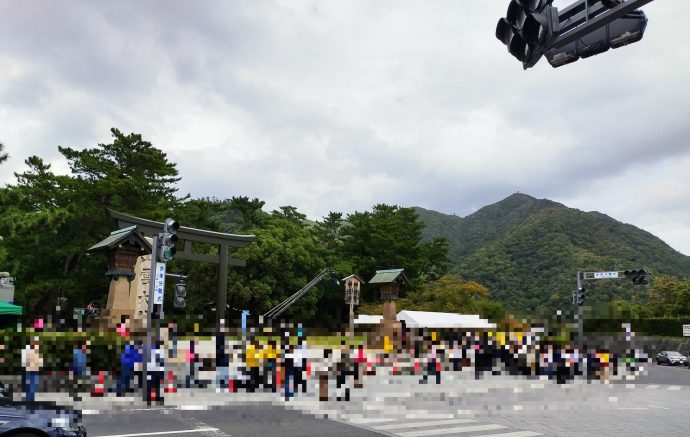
(192, 358)
(360, 365)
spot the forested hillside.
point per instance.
(527, 251)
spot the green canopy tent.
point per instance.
(9, 309)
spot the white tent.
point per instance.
(427, 319)
(366, 319)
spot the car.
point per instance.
(37, 419)
(671, 358)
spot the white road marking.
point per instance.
(653, 386)
(656, 406)
(421, 424)
(512, 434)
(184, 431)
(674, 387)
(192, 407)
(446, 431)
(367, 420)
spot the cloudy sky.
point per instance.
(337, 105)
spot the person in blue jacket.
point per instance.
(128, 358)
(78, 367)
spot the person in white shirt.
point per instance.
(155, 373)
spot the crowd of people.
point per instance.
(282, 361)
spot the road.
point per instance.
(655, 402)
(238, 420)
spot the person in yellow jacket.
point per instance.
(270, 365)
(252, 362)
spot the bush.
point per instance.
(56, 349)
(666, 327)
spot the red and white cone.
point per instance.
(171, 383)
(99, 387)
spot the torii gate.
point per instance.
(190, 235)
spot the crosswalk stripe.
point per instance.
(421, 424)
(674, 387)
(368, 420)
(512, 434)
(653, 386)
(446, 431)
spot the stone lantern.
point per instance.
(128, 253)
(391, 282)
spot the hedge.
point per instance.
(56, 349)
(666, 327)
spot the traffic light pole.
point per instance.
(639, 277)
(580, 314)
(149, 316)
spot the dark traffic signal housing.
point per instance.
(168, 239)
(528, 29)
(180, 299)
(580, 296)
(639, 277)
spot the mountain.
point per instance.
(527, 251)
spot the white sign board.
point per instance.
(159, 284)
(605, 275)
(686, 330)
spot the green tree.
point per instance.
(282, 260)
(329, 231)
(452, 294)
(662, 294)
(250, 212)
(52, 219)
(434, 258)
(387, 237)
(681, 299)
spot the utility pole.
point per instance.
(579, 301)
(152, 287)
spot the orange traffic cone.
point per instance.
(99, 387)
(171, 383)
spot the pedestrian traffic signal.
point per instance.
(623, 31)
(639, 277)
(168, 239)
(580, 296)
(180, 295)
(528, 29)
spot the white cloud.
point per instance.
(335, 106)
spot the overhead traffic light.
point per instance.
(528, 29)
(180, 295)
(168, 239)
(620, 32)
(639, 277)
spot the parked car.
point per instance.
(37, 419)
(671, 358)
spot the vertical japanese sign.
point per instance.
(159, 285)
